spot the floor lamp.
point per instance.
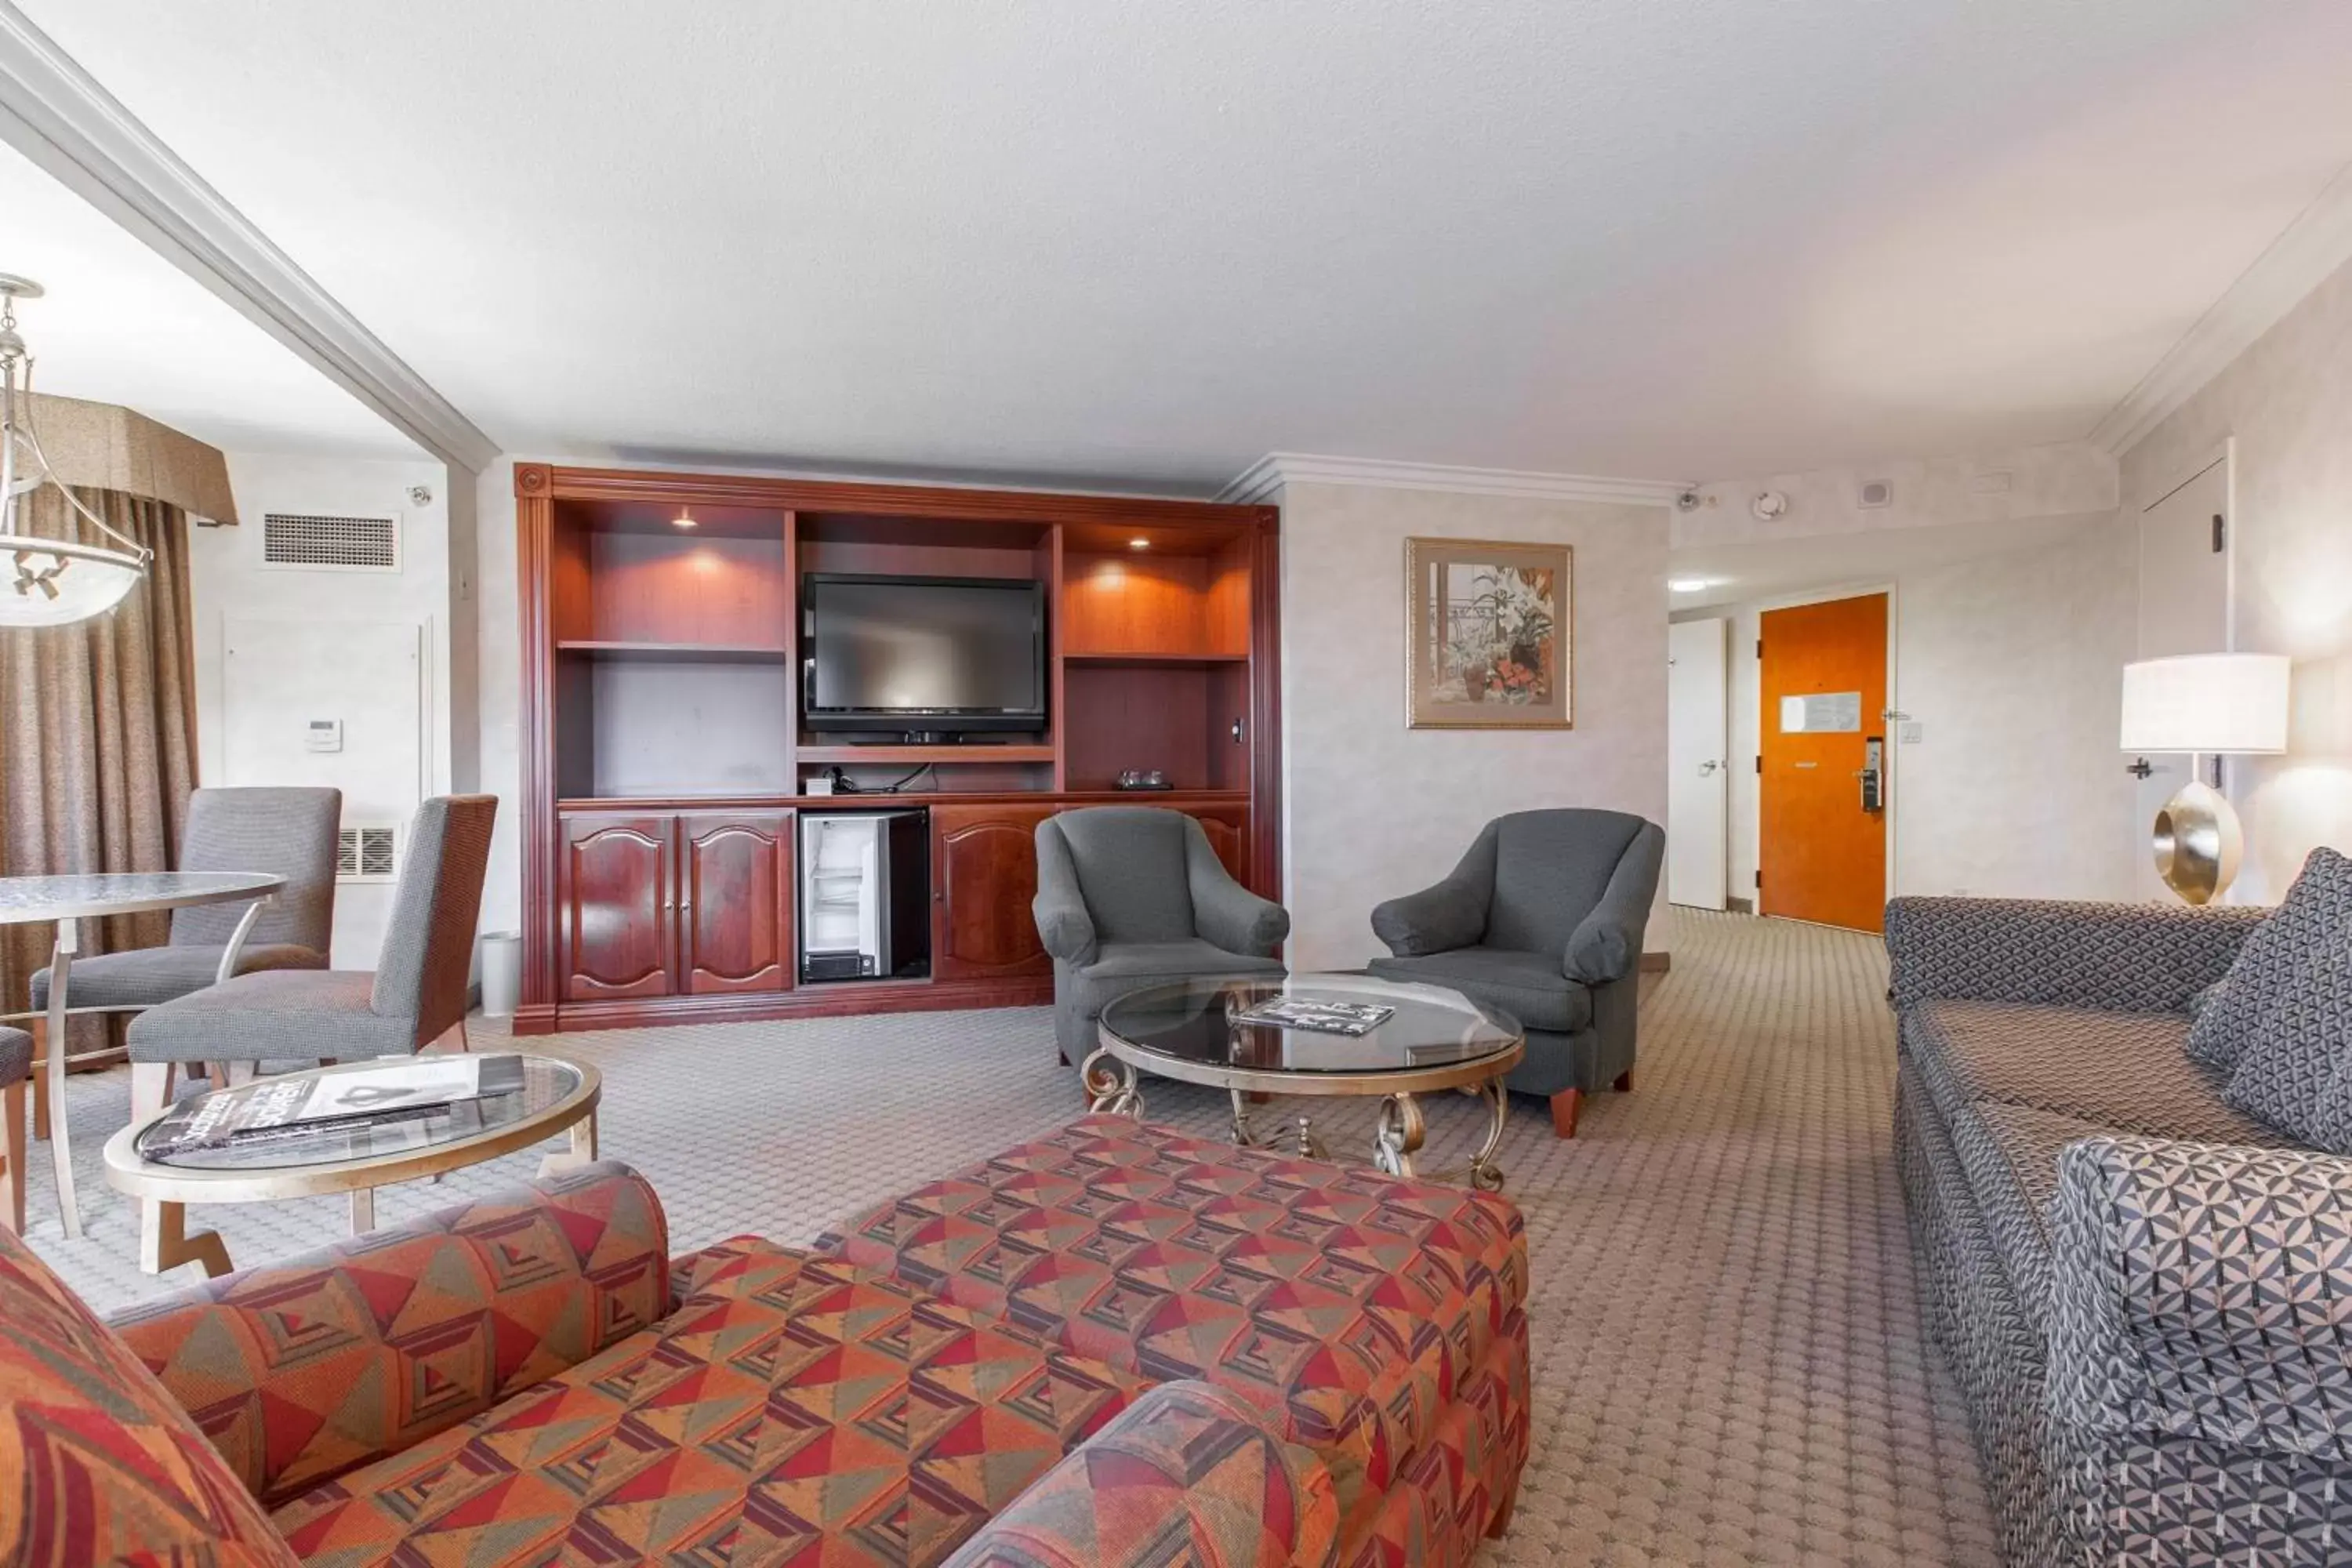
(2208, 705)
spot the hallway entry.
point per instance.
(1822, 796)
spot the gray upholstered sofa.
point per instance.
(1131, 896)
(1544, 918)
(2145, 1291)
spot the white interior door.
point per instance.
(2184, 607)
(1698, 779)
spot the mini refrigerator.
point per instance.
(865, 895)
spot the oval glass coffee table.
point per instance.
(524, 1100)
(1431, 1039)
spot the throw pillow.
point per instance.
(2314, 917)
(2285, 1005)
(106, 1467)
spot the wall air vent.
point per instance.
(367, 853)
(308, 541)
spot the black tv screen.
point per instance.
(968, 649)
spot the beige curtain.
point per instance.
(98, 748)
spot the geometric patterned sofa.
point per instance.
(532, 1379)
(2145, 1294)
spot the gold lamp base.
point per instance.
(2198, 843)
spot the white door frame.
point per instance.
(1683, 825)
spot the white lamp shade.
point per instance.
(53, 583)
(2207, 703)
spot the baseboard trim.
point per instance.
(1657, 963)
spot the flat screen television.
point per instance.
(928, 656)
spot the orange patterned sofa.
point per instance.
(1112, 1346)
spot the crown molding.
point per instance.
(55, 113)
(2302, 257)
(1276, 469)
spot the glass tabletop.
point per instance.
(250, 1128)
(1195, 1020)
(76, 896)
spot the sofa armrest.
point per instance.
(1225, 914)
(1606, 944)
(1438, 919)
(300, 1370)
(1188, 1473)
(1063, 926)
(2201, 1292)
(2112, 958)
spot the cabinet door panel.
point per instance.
(1227, 827)
(985, 875)
(735, 904)
(618, 906)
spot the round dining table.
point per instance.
(67, 902)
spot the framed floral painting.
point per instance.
(1487, 635)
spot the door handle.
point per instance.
(1872, 774)
(1707, 770)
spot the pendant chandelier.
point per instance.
(47, 582)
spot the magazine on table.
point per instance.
(300, 1106)
(1319, 1015)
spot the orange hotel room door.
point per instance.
(1823, 831)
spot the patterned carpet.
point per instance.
(1729, 1360)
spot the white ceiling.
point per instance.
(120, 324)
(1153, 239)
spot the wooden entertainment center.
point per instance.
(666, 752)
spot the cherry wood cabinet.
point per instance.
(660, 669)
(983, 877)
(619, 896)
(735, 902)
(691, 905)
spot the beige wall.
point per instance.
(2288, 403)
(2012, 666)
(1372, 809)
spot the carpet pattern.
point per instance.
(1729, 1362)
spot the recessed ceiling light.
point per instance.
(1138, 544)
(1693, 584)
(684, 518)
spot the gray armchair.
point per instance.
(1544, 919)
(1131, 896)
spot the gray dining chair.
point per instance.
(1544, 918)
(16, 1066)
(287, 832)
(415, 994)
(1131, 896)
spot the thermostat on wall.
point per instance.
(323, 735)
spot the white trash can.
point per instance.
(501, 973)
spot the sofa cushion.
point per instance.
(2121, 1072)
(98, 1463)
(2312, 920)
(1349, 1305)
(2008, 1156)
(793, 1409)
(1527, 986)
(301, 1369)
(2292, 1074)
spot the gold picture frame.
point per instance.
(1490, 634)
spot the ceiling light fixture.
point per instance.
(1138, 544)
(47, 582)
(684, 518)
(1692, 584)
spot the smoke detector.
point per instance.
(1768, 505)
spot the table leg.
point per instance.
(1399, 1137)
(1110, 1086)
(581, 1153)
(164, 1242)
(363, 1210)
(54, 1039)
(1484, 1175)
(11, 1149)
